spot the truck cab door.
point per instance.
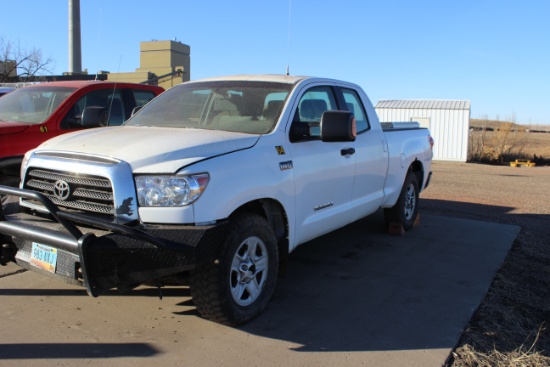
(371, 156)
(323, 171)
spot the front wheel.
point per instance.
(405, 210)
(237, 286)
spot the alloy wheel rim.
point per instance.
(249, 269)
(410, 202)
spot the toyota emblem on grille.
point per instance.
(61, 190)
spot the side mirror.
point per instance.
(94, 116)
(338, 126)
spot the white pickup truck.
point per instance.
(212, 185)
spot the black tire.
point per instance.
(237, 286)
(405, 210)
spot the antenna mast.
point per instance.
(288, 41)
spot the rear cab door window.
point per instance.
(355, 106)
(142, 97)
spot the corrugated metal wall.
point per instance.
(449, 123)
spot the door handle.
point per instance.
(347, 151)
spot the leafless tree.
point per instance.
(496, 140)
(478, 141)
(510, 139)
(17, 62)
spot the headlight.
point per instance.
(170, 190)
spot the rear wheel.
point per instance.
(405, 210)
(237, 286)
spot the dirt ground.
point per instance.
(511, 326)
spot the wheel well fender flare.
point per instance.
(418, 168)
(275, 214)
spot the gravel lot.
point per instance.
(511, 325)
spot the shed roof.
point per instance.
(433, 104)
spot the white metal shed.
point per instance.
(448, 121)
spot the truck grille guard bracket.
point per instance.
(74, 240)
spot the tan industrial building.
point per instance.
(166, 63)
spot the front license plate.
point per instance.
(44, 257)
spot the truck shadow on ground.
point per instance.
(360, 289)
(75, 350)
(141, 292)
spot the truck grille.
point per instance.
(79, 192)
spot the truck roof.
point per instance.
(280, 78)
(274, 78)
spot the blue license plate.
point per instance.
(44, 257)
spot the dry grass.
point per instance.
(535, 144)
(527, 144)
(538, 144)
(518, 358)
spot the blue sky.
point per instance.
(495, 53)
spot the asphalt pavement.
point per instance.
(355, 297)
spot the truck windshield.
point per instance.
(32, 105)
(239, 106)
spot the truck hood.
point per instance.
(8, 127)
(151, 149)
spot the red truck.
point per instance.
(33, 114)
